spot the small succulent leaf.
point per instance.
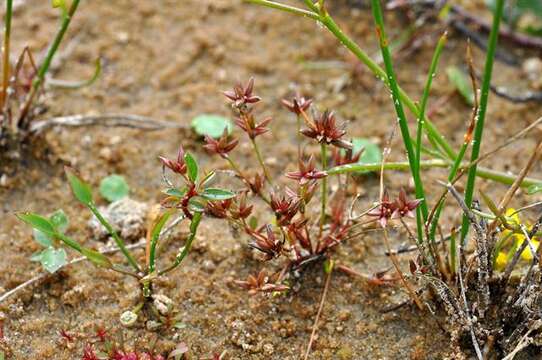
(97, 258)
(462, 83)
(213, 194)
(53, 259)
(211, 125)
(177, 193)
(59, 220)
(114, 188)
(80, 189)
(38, 222)
(42, 238)
(192, 166)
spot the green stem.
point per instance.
(187, 246)
(113, 233)
(484, 173)
(283, 7)
(479, 128)
(260, 160)
(323, 153)
(423, 213)
(425, 97)
(40, 76)
(6, 53)
(299, 138)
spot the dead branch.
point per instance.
(109, 120)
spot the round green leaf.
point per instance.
(211, 125)
(53, 259)
(42, 238)
(371, 152)
(114, 188)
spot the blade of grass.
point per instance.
(484, 97)
(6, 53)
(422, 214)
(40, 76)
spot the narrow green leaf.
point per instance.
(192, 166)
(178, 193)
(53, 259)
(461, 83)
(208, 179)
(97, 258)
(217, 194)
(81, 190)
(211, 125)
(38, 222)
(114, 188)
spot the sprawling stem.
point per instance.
(44, 67)
(484, 97)
(188, 244)
(484, 173)
(116, 237)
(323, 154)
(5, 53)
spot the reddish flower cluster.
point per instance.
(261, 283)
(298, 104)
(222, 146)
(285, 207)
(307, 172)
(266, 243)
(248, 124)
(241, 95)
(177, 166)
(325, 130)
(344, 157)
(401, 207)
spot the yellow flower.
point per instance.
(527, 254)
(501, 261)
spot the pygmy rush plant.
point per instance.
(307, 220)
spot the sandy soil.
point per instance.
(170, 60)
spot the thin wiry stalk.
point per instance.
(120, 243)
(323, 151)
(260, 160)
(40, 76)
(6, 53)
(479, 128)
(286, 8)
